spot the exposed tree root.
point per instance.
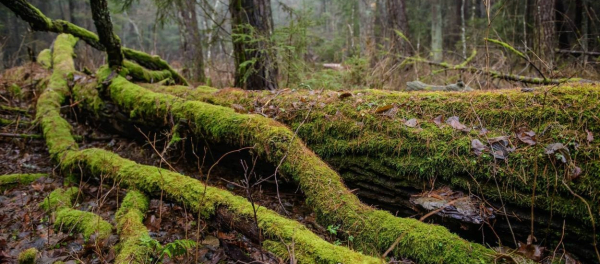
(152, 180)
(131, 228)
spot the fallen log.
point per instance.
(196, 195)
(366, 136)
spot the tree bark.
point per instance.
(255, 58)
(108, 38)
(191, 41)
(437, 26)
(546, 35)
(398, 30)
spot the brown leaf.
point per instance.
(411, 123)
(455, 123)
(382, 109)
(239, 108)
(439, 120)
(483, 131)
(345, 95)
(478, 147)
(527, 137)
(590, 136)
(533, 252)
(575, 173)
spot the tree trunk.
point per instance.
(398, 30)
(104, 27)
(546, 35)
(437, 26)
(255, 58)
(191, 41)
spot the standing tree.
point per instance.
(436, 30)
(255, 61)
(545, 39)
(397, 25)
(191, 41)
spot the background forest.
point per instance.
(372, 39)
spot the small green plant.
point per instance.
(174, 249)
(332, 229)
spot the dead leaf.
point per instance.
(527, 137)
(439, 120)
(483, 132)
(500, 148)
(533, 252)
(590, 136)
(382, 109)
(345, 95)
(560, 151)
(454, 122)
(575, 173)
(239, 108)
(411, 123)
(478, 147)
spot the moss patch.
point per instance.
(28, 256)
(59, 199)
(8, 181)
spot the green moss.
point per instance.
(7, 181)
(131, 228)
(153, 62)
(138, 73)
(86, 223)
(28, 256)
(59, 199)
(45, 58)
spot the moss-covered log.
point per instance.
(366, 136)
(44, 58)
(196, 195)
(130, 226)
(39, 22)
(374, 230)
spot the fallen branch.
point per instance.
(499, 75)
